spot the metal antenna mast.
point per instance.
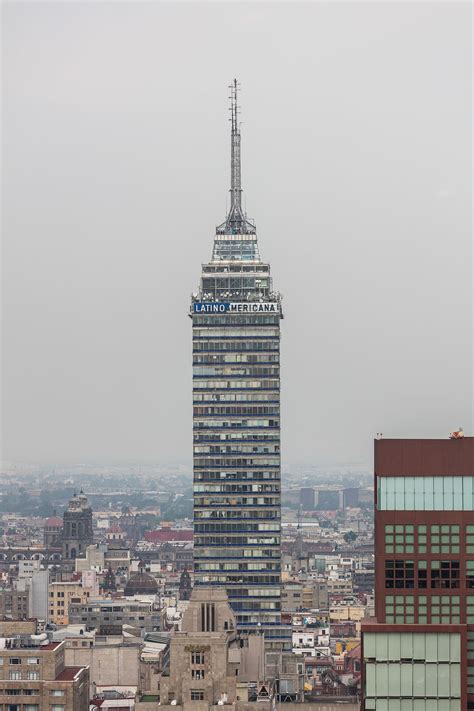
(236, 216)
(236, 221)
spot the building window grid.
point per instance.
(445, 609)
(445, 538)
(400, 609)
(445, 574)
(399, 574)
(436, 609)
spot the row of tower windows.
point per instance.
(235, 370)
(211, 488)
(248, 424)
(266, 566)
(225, 527)
(218, 500)
(249, 332)
(237, 397)
(236, 462)
(242, 385)
(236, 358)
(202, 411)
(236, 448)
(236, 437)
(237, 540)
(266, 514)
(237, 475)
(236, 346)
(235, 553)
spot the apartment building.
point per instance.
(34, 676)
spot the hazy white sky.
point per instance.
(356, 167)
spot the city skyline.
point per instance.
(358, 179)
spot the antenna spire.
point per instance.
(236, 214)
(236, 221)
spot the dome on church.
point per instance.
(141, 583)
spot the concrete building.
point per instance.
(113, 661)
(306, 595)
(14, 604)
(422, 646)
(236, 420)
(111, 615)
(38, 597)
(34, 676)
(60, 596)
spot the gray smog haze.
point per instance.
(356, 142)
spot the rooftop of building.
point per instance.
(424, 457)
(70, 673)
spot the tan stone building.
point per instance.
(60, 595)
(209, 663)
(34, 676)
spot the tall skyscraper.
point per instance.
(236, 418)
(419, 655)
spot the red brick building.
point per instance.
(424, 576)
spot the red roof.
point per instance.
(169, 534)
(54, 521)
(51, 645)
(69, 673)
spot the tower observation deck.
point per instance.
(236, 318)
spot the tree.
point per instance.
(350, 537)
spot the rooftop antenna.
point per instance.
(235, 217)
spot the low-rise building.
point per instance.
(34, 676)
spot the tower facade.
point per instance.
(77, 527)
(236, 318)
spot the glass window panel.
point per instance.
(455, 679)
(394, 677)
(419, 493)
(419, 681)
(369, 645)
(454, 648)
(419, 650)
(409, 493)
(394, 644)
(429, 493)
(381, 647)
(467, 489)
(448, 492)
(370, 676)
(406, 679)
(400, 493)
(457, 493)
(390, 493)
(431, 642)
(438, 499)
(431, 673)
